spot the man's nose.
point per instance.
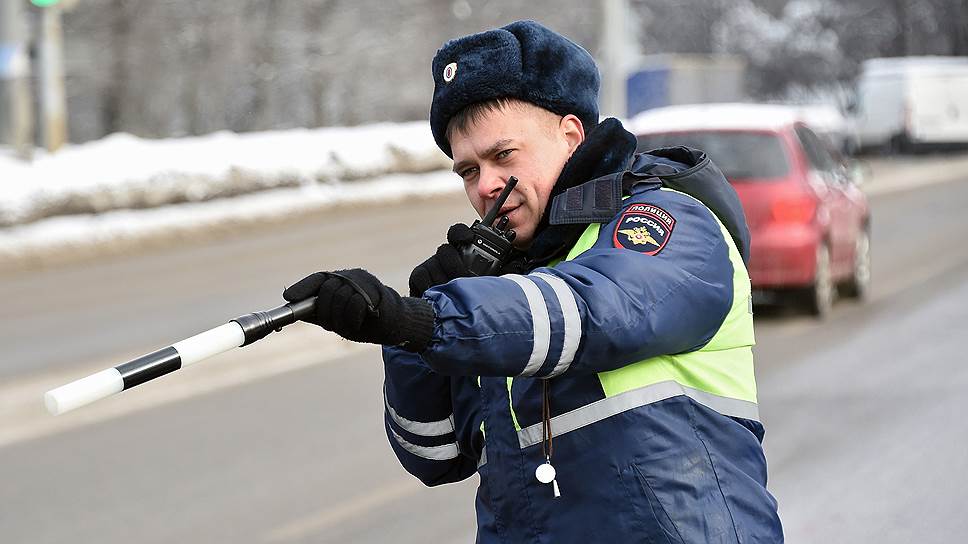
(490, 187)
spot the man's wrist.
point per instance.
(417, 326)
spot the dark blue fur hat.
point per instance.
(522, 60)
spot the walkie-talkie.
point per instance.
(491, 245)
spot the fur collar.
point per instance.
(608, 148)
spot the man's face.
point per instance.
(518, 140)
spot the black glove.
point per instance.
(445, 265)
(357, 306)
(517, 264)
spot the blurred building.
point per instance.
(670, 80)
(186, 67)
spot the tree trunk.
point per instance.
(114, 92)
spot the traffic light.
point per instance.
(44, 3)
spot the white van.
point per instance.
(908, 102)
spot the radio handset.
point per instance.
(492, 245)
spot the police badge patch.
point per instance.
(644, 228)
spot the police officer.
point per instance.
(602, 386)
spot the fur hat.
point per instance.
(522, 60)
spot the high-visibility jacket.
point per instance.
(643, 334)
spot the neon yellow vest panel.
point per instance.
(720, 374)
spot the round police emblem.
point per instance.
(450, 71)
(644, 228)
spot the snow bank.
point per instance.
(125, 172)
(61, 239)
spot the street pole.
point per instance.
(614, 46)
(53, 99)
(16, 115)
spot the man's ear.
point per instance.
(572, 131)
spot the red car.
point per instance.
(809, 222)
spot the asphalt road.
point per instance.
(283, 441)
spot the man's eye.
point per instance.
(504, 154)
(465, 173)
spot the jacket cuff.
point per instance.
(417, 326)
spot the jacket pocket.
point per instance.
(685, 499)
(651, 522)
(662, 517)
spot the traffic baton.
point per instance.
(239, 332)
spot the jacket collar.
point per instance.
(588, 190)
(605, 167)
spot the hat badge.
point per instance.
(450, 71)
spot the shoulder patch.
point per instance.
(644, 228)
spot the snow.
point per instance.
(124, 172)
(737, 116)
(118, 228)
(122, 188)
(924, 64)
(825, 119)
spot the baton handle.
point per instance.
(258, 325)
(241, 331)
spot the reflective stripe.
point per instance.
(569, 309)
(514, 417)
(539, 320)
(434, 453)
(429, 428)
(610, 406)
(483, 459)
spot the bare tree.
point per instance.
(186, 67)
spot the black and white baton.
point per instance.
(239, 332)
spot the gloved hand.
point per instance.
(445, 265)
(357, 306)
(518, 264)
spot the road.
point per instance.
(283, 441)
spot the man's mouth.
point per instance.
(507, 210)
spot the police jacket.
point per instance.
(635, 313)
